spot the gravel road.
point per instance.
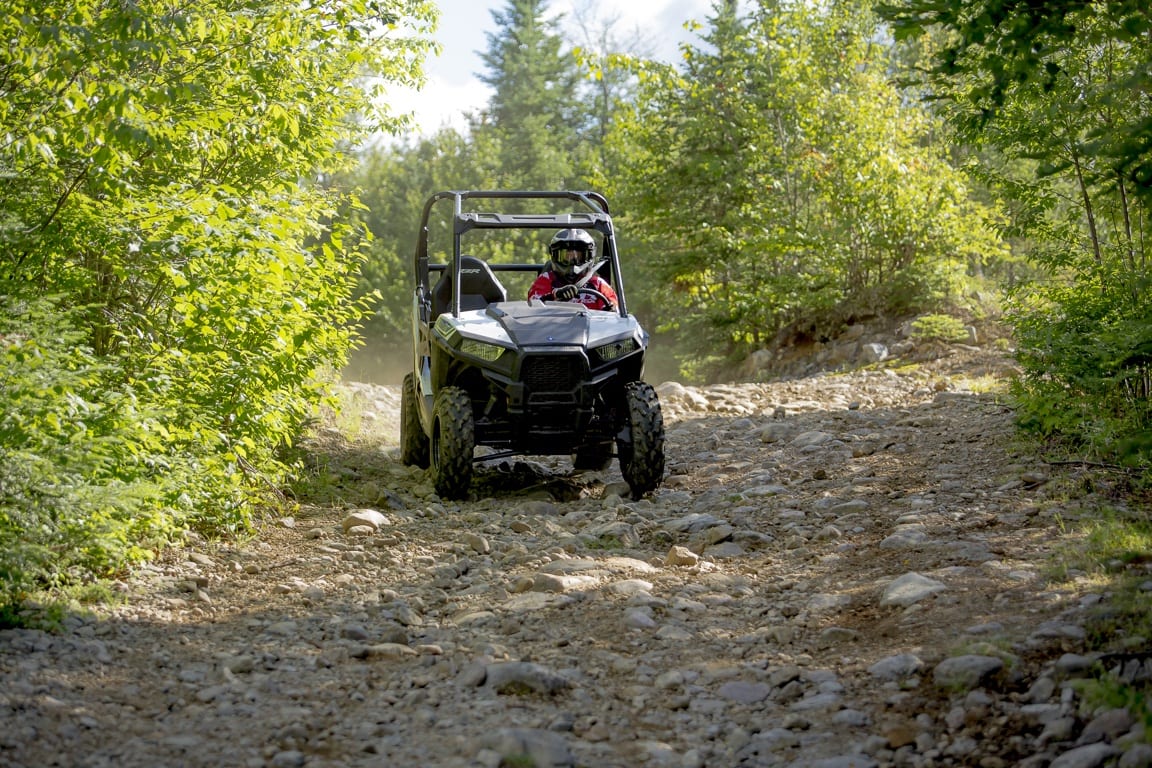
(839, 570)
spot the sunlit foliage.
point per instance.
(172, 292)
(1055, 93)
(784, 185)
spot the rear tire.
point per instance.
(413, 441)
(642, 451)
(453, 442)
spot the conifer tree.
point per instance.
(535, 111)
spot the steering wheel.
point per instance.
(593, 292)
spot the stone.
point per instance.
(897, 668)
(547, 582)
(853, 718)
(836, 636)
(1057, 730)
(1091, 756)
(909, 589)
(1136, 756)
(744, 692)
(477, 543)
(1106, 726)
(873, 353)
(365, 517)
(288, 759)
(840, 761)
(385, 651)
(905, 539)
(811, 438)
(530, 746)
(519, 677)
(819, 702)
(630, 587)
(679, 556)
(966, 672)
(639, 618)
(823, 603)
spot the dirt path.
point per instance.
(844, 570)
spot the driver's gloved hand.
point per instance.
(565, 292)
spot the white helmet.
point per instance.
(570, 249)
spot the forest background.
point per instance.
(199, 223)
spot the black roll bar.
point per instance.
(598, 218)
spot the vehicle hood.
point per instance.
(523, 325)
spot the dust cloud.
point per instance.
(378, 363)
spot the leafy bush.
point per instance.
(1088, 374)
(174, 301)
(781, 185)
(939, 328)
(1051, 97)
(86, 488)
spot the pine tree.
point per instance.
(535, 111)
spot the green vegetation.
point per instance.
(1122, 628)
(605, 543)
(938, 328)
(783, 186)
(1111, 547)
(189, 243)
(1049, 95)
(1107, 541)
(174, 289)
(771, 187)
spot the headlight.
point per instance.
(616, 349)
(488, 352)
(445, 328)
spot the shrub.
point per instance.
(86, 489)
(939, 328)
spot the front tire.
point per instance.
(413, 441)
(641, 444)
(453, 442)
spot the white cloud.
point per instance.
(440, 103)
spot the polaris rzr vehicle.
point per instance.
(524, 376)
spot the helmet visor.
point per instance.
(570, 257)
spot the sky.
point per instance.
(453, 88)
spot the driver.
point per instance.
(572, 253)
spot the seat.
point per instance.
(478, 287)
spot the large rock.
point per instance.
(909, 589)
(365, 518)
(964, 673)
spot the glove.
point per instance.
(565, 292)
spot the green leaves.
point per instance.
(156, 183)
(1053, 94)
(789, 184)
(79, 492)
(536, 114)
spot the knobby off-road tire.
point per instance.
(453, 442)
(642, 452)
(413, 441)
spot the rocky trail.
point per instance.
(839, 570)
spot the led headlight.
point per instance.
(488, 352)
(445, 328)
(616, 349)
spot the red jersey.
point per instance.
(545, 282)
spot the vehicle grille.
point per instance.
(552, 373)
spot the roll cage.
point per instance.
(597, 218)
